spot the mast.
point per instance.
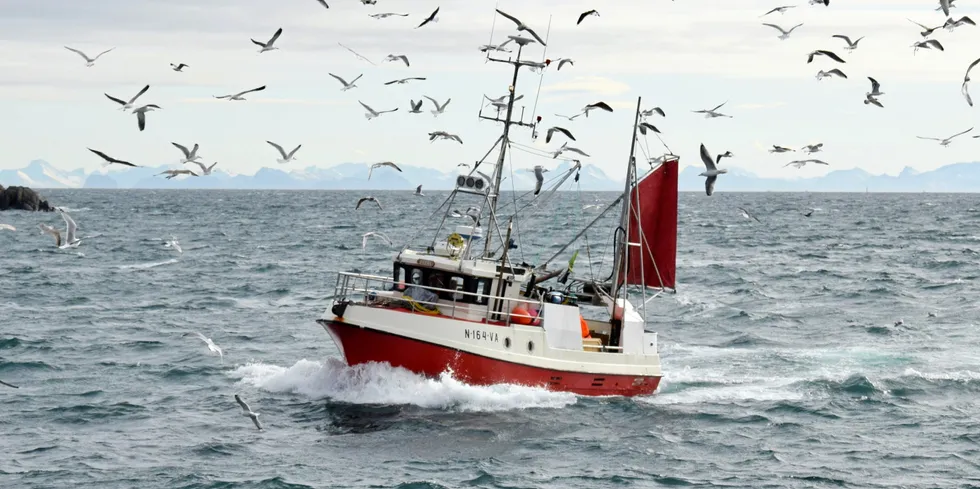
(622, 253)
(504, 140)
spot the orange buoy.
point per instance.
(585, 327)
(520, 315)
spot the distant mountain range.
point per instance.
(959, 177)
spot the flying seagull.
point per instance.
(238, 96)
(871, 99)
(711, 170)
(109, 160)
(966, 80)
(444, 135)
(927, 44)
(945, 5)
(189, 156)
(385, 15)
(367, 199)
(7, 227)
(418, 191)
(812, 148)
(781, 10)
(875, 88)
(523, 27)
(553, 130)
(784, 34)
(825, 3)
(400, 57)
(945, 142)
(538, 178)
(129, 104)
(650, 112)
(347, 86)
(89, 62)
(404, 80)
(371, 113)
(824, 52)
(268, 45)
(801, 163)
(365, 236)
(598, 105)
(645, 126)
(286, 157)
(70, 227)
(179, 67)
(565, 147)
(357, 54)
(324, 3)
(563, 62)
(416, 106)
(174, 173)
(430, 18)
(780, 149)
(851, 45)
(382, 164)
(141, 114)
(712, 113)
(439, 108)
(173, 243)
(207, 341)
(583, 15)
(205, 170)
(746, 215)
(834, 72)
(927, 31)
(247, 411)
(953, 24)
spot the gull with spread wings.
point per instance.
(945, 142)
(89, 62)
(522, 26)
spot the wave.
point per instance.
(144, 266)
(376, 383)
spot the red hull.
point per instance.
(362, 345)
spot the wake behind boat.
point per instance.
(462, 303)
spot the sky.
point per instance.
(681, 55)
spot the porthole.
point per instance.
(530, 346)
(506, 342)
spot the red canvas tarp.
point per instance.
(653, 224)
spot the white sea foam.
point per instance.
(144, 266)
(383, 384)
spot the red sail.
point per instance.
(654, 201)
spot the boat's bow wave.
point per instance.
(374, 383)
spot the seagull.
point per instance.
(356, 54)
(824, 52)
(781, 10)
(418, 191)
(324, 3)
(569, 117)
(825, 3)
(520, 41)
(174, 173)
(801, 163)
(851, 46)
(871, 99)
(12, 386)
(141, 114)
(385, 15)
(89, 62)
(109, 160)
(70, 227)
(582, 16)
(416, 107)
(495, 47)
(179, 67)
(404, 80)
(538, 177)
(7, 227)
(205, 170)
(746, 215)
(365, 236)
(347, 86)
(211, 346)
(267, 46)
(952, 24)
(401, 57)
(785, 34)
(247, 411)
(711, 171)
(444, 135)
(563, 62)
(945, 5)
(189, 156)
(644, 126)
(945, 142)
(927, 30)
(712, 113)
(553, 130)
(367, 199)
(369, 2)
(129, 104)
(286, 157)
(238, 96)
(173, 244)
(382, 164)
(966, 80)
(875, 88)
(812, 148)
(371, 113)
(598, 105)
(565, 147)
(928, 44)
(824, 74)
(522, 27)
(650, 112)
(780, 149)
(439, 108)
(430, 18)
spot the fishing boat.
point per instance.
(461, 304)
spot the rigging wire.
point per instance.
(517, 222)
(537, 96)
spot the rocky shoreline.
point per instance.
(22, 199)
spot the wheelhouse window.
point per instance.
(459, 284)
(482, 290)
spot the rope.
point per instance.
(544, 54)
(420, 308)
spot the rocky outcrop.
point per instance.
(22, 198)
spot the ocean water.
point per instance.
(783, 364)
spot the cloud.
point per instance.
(598, 85)
(756, 106)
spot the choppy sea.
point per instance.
(784, 366)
